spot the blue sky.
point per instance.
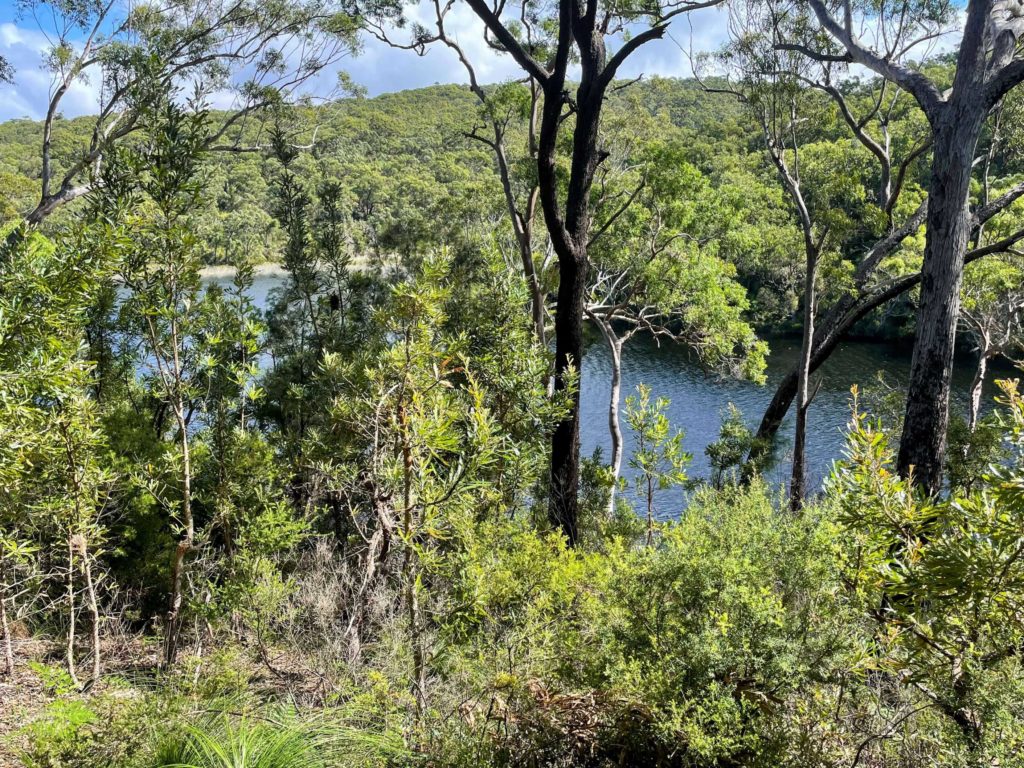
(379, 68)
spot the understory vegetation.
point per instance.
(349, 523)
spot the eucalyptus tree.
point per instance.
(255, 53)
(892, 134)
(827, 184)
(779, 109)
(884, 38)
(579, 33)
(152, 192)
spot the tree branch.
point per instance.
(508, 41)
(917, 84)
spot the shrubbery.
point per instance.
(332, 516)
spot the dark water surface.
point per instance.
(698, 399)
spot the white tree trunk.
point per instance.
(8, 641)
(614, 425)
(94, 614)
(798, 483)
(976, 387)
(69, 652)
(614, 422)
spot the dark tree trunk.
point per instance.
(569, 237)
(565, 442)
(956, 125)
(923, 444)
(579, 23)
(564, 475)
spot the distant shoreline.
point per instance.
(223, 271)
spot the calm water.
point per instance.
(699, 399)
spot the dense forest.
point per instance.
(347, 520)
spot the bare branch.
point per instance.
(921, 87)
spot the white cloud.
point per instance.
(25, 49)
(10, 35)
(379, 68)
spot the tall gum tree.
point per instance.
(583, 30)
(841, 193)
(883, 38)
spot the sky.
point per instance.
(378, 68)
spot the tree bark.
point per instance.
(614, 426)
(570, 237)
(184, 543)
(94, 615)
(923, 443)
(563, 508)
(976, 388)
(956, 126)
(69, 650)
(798, 482)
(5, 627)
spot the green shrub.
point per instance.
(60, 736)
(113, 729)
(226, 742)
(692, 652)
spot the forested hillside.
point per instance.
(353, 499)
(411, 179)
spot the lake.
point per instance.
(698, 399)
